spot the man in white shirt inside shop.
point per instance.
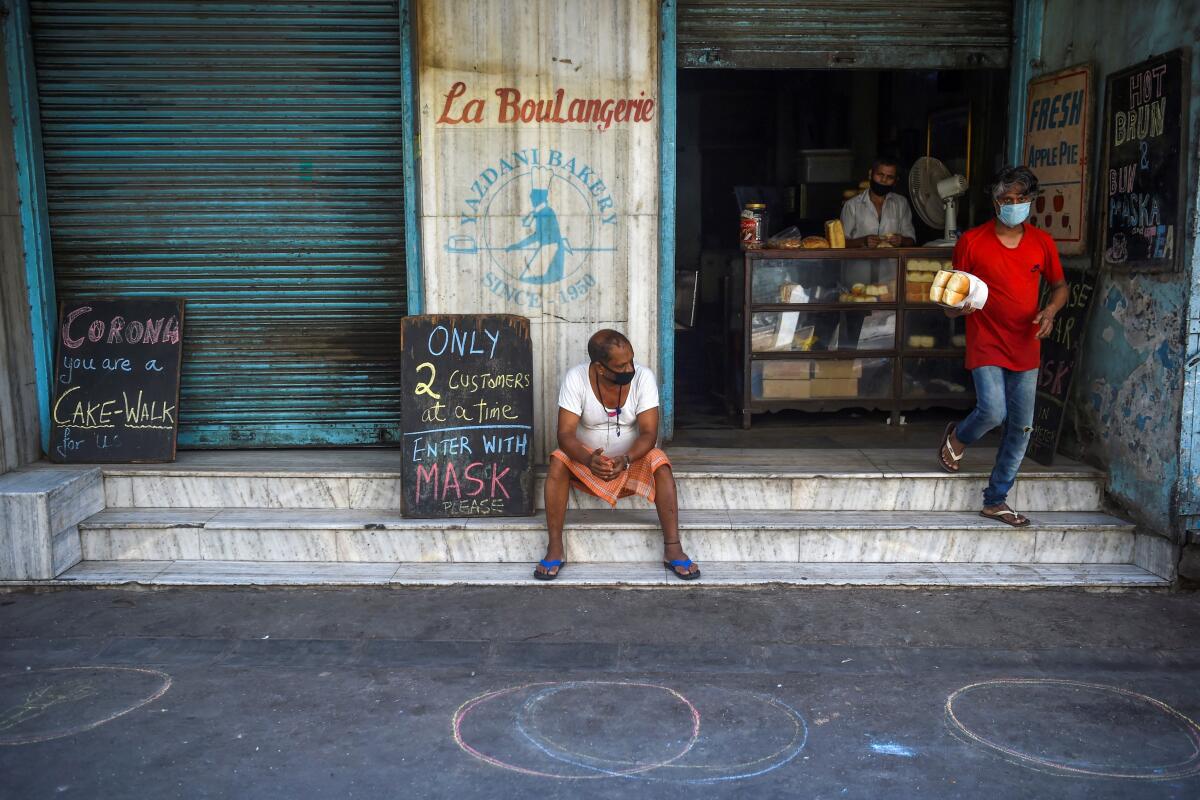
(878, 217)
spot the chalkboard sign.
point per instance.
(1144, 187)
(1060, 353)
(116, 380)
(467, 416)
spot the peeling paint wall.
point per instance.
(1128, 396)
(540, 172)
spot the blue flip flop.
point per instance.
(685, 563)
(549, 565)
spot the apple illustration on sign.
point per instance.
(1059, 202)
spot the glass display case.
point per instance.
(832, 329)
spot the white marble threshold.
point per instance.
(241, 573)
(324, 535)
(730, 471)
(611, 519)
(688, 461)
(873, 491)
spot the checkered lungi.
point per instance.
(638, 479)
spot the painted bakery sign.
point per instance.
(1057, 121)
(539, 222)
(539, 218)
(512, 107)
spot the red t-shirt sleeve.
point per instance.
(961, 257)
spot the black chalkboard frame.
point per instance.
(181, 305)
(1185, 76)
(416, 381)
(1046, 402)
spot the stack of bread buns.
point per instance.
(954, 289)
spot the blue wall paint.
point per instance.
(1028, 22)
(666, 215)
(1189, 444)
(31, 188)
(412, 220)
(1128, 399)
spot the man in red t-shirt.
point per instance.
(1004, 337)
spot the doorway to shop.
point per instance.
(801, 142)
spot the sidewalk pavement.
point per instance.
(514, 692)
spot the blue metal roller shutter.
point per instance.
(246, 157)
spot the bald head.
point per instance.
(604, 342)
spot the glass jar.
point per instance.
(751, 231)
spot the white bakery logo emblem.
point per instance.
(539, 219)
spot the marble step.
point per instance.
(249, 573)
(699, 489)
(324, 535)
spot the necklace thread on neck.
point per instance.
(615, 414)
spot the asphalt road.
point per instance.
(553, 692)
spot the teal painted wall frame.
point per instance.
(667, 104)
(1028, 19)
(31, 188)
(412, 154)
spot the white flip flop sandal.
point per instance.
(1008, 517)
(946, 447)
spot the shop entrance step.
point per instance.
(632, 574)
(601, 536)
(707, 479)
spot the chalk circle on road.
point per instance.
(40, 705)
(1072, 728)
(589, 730)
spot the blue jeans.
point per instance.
(1002, 397)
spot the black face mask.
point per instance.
(620, 378)
(880, 189)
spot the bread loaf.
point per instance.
(958, 283)
(814, 242)
(835, 233)
(950, 288)
(952, 297)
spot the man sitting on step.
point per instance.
(607, 432)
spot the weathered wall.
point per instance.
(1129, 384)
(581, 253)
(18, 395)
